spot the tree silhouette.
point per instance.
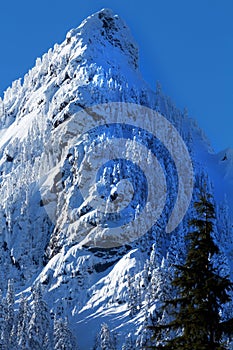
(195, 321)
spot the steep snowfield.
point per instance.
(97, 63)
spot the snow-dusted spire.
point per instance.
(103, 28)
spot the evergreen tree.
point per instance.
(63, 337)
(195, 318)
(23, 318)
(39, 324)
(2, 321)
(10, 315)
(132, 296)
(143, 341)
(107, 341)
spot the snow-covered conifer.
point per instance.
(40, 321)
(9, 314)
(63, 337)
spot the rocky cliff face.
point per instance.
(44, 216)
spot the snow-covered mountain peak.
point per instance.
(42, 211)
(106, 30)
(100, 53)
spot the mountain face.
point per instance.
(50, 233)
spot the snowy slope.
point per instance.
(96, 64)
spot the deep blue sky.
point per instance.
(186, 45)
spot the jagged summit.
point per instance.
(100, 53)
(105, 26)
